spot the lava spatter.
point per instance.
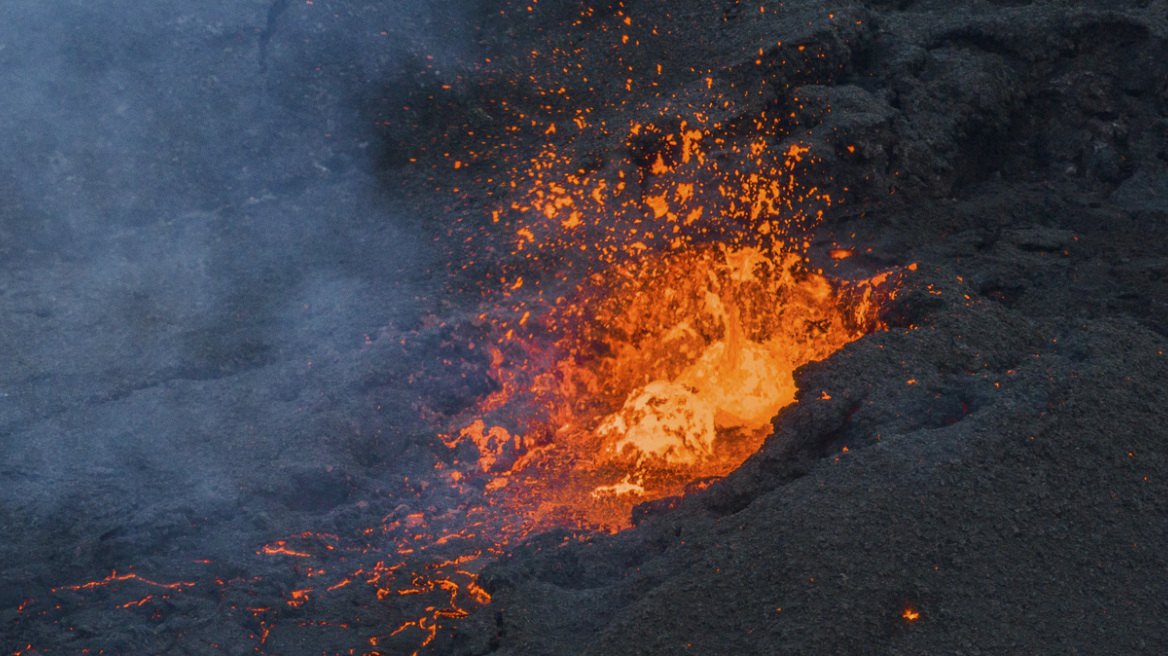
(650, 307)
(670, 372)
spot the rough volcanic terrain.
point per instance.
(242, 302)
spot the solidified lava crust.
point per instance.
(244, 430)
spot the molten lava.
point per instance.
(650, 308)
(670, 370)
(760, 319)
(645, 323)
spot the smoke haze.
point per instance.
(197, 255)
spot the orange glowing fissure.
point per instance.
(114, 577)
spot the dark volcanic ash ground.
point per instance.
(232, 311)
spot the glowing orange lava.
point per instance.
(674, 375)
(650, 320)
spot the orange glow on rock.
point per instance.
(299, 597)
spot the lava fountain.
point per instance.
(661, 339)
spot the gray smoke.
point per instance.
(196, 248)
